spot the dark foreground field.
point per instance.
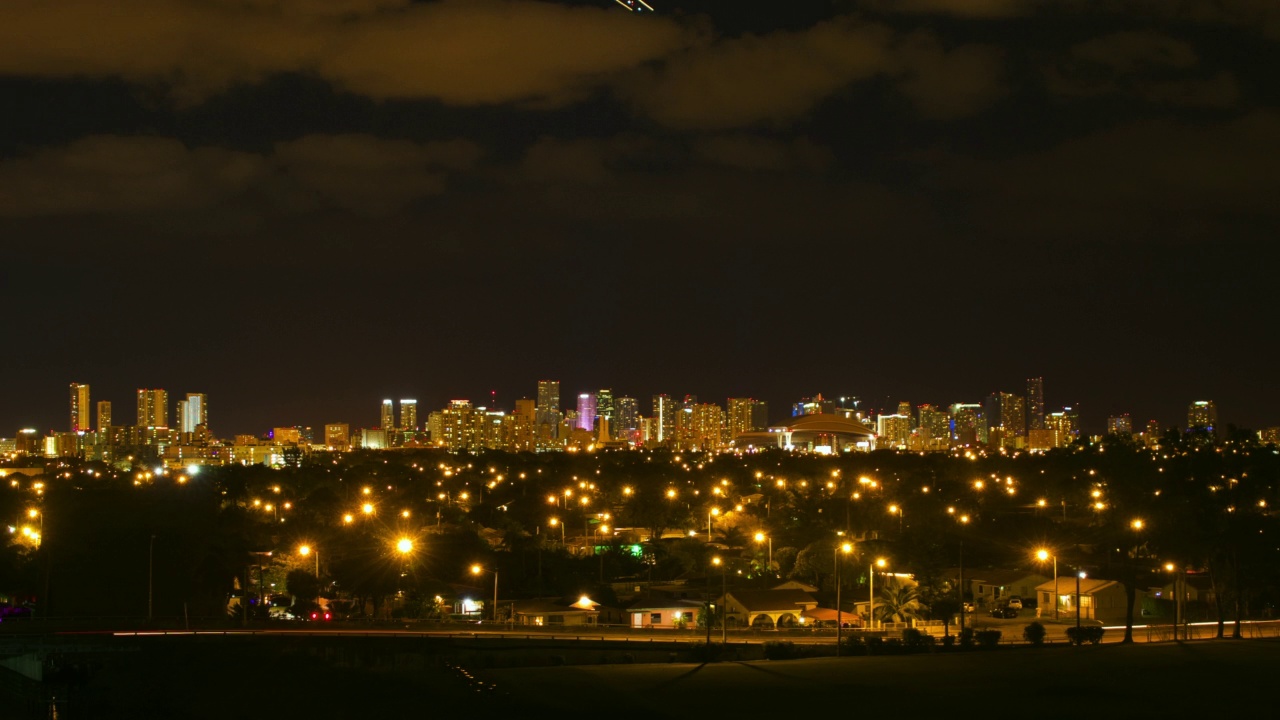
(1202, 679)
(195, 680)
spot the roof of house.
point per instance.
(1000, 576)
(1067, 585)
(660, 601)
(788, 600)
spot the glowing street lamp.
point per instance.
(711, 512)
(554, 522)
(1043, 555)
(845, 548)
(724, 614)
(897, 510)
(761, 537)
(305, 550)
(879, 563)
(477, 570)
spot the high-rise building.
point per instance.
(586, 411)
(547, 416)
(153, 408)
(663, 411)
(79, 407)
(968, 424)
(706, 427)
(337, 436)
(1202, 415)
(605, 409)
(628, 411)
(935, 428)
(1120, 425)
(1035, 403)
(892, 431)
(409, 415)
(904, 409)
(192, 412)
(1065, 426)
(388, 423)
(104, 415)
(1006, 420)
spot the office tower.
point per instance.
(388, 416)
(1064, 425)
(547, 415)
(1035, 403)
(104, 415)
(79, 407)
(968, 424)
(153, 408)
(893, 430)
(628, 413)
(663, 412)
(1120, 425)
(586, 411)
(1006, 420)
(904, 409)
(605, 409)
(1202, 415)
(817, 405)
(409, 415)
(192, 412)
(935, 428)
(337, 436)
(740, 416)
(706, 427)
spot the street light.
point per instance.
(712, 511)
(305, 550)
(554, 522)
(897, 510)
(879, 563)
(404, 546)
(476, 570)
(1079, 576)
(761, 537)
(1043, 555)
(845, 548)
(602, 529)
(724, 615)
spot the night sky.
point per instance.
(300, 207)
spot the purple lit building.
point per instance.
(587, 411)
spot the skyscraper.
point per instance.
(153, 408)
(605, 409)
(586, 411)
(1035, 403)
(79, 407)
(747, 415)
(388, 423)
(968, 425)
(1202, 415)
(628, 411)
(409, 415)
(193, 411)
(1006, 420)
(663, 412)
(1120, 425)
(104, 415)
(548, 408)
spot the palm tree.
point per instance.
(899, 602)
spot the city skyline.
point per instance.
(192, 410)
(296, 206)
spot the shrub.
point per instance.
(1091, 634)
(779, 650)
(948, 641)
(966, 638)
(987, 638)
(913, 640)
(1034, 633)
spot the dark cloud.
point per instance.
(1146, 65)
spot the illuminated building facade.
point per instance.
(605, 410)
(104, 415)
(586, 411)
(409, 416)
(153, 408)
(663, 411)
(1202, 415)
(80, 408)
(1035, 403)
(388, 423)
(968, 424)
(1120, 425)
(337, 436)
(628, 411)
(192, 412)
(1006, 420)
(893, 430)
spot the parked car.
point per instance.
(968, 606)
(1004, 611)
(1015, 602)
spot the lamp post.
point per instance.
(305, 550)
(897, 510)
(602, 530)
(761, 537)
(554, 522)
(1079, 575)
(846, 548)
(871, 606)
(478, 569)
(712, 511)
(1171, 568)
(1043, 555)
(404, 546)
(963, 520)
(724, 616)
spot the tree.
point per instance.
(899, 602)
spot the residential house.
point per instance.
(767, 608)
(1101, 600)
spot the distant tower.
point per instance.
(104, 415)
(409, 415)
(1202, 415)
(1035, 403)
(628, 411)
(153, 408)
(586, 411)
(1120, 425)
(388, 415)
(79, 407)
(548, 408)
(605, 408)
(193, 411)
(663, 412)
